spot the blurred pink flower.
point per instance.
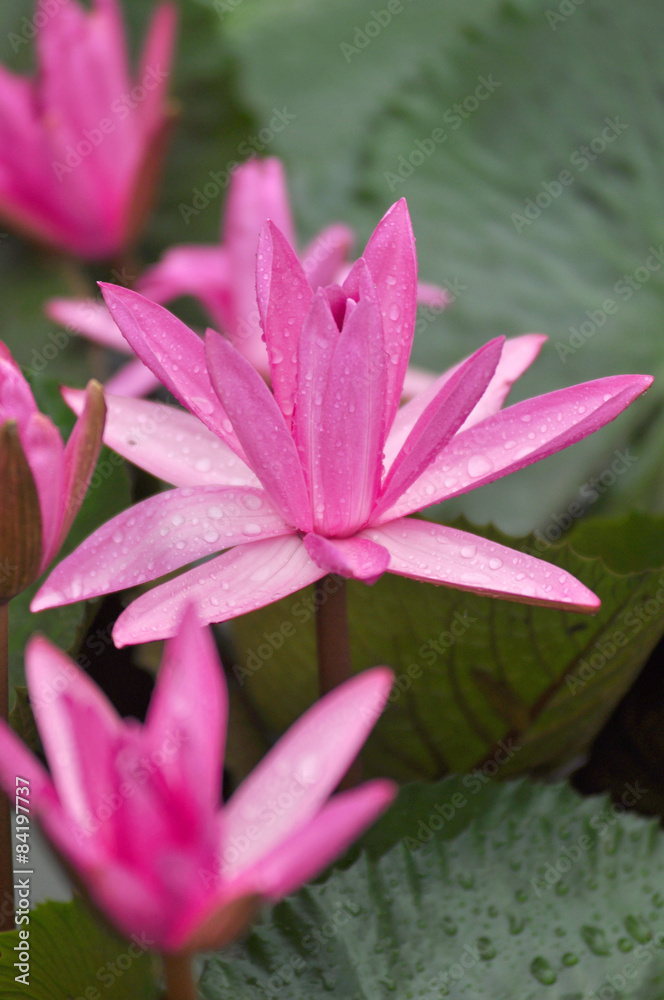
(223, 278)
(43, 481)
(81, 142)
(319, 474)
(135, 811)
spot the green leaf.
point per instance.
(107, 495)
(471, 891)
(472, 671)
(70, 953)
(551, 89)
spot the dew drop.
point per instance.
(479, 465)
(595, 938)
(638, 928)
(251, 529)
(449, 926)
(203, 465)
(118, 537)
(177, 520)
(516, 924)
(215, 513)
(495, 563)
(486, 948)
(468, 551)
(542, 971)
(569, 958)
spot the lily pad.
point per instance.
(488, 892)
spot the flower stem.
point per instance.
(6, 853)
(333, 646)
(180, 983)
(332, 640)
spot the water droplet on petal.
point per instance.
(479, 465)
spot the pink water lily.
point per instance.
(223, 278)
(319, 474)
(135, 811)
(43, 481)
(81, 142)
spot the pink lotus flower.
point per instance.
(135, 811)
(80, 143)
(223, 278)
(320, 474)
(43, 482)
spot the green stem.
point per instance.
(333, 646)
(180, 983)
(6, 840)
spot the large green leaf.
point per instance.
(546, 91)
(71, 957)
(469, 891)
(107, 495)
(471, 671)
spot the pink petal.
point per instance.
(352, 423)
(390, 257)
(416, 381)
(16, 399)
(133, 380)
(432, 296)
(201, 271)
(284, 297)
(355, 558)
(156, 64)
(157, 536)
(167, 442)
(17, 761)
(297, 776)
(89, 318)
(78, 726)
(261, 429)
(189, 708)
(433, 552)
(174, 353)
(246, 578)
(440, 421)
(80, 458)
(311, 849)
(318, 341)
(324, 259)
(518, 436)
(257, 193)
(518, 354)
